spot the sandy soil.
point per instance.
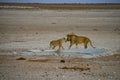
(23, 30)
(59, 68)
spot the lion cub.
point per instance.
(74, 39)
(58, 42)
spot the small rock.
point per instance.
(62, 61)
(21, 58)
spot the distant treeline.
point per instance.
(73, 6)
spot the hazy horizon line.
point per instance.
(50, 3)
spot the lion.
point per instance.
(58, 42)
(74, 39)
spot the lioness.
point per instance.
(58, 42)
(74, 39)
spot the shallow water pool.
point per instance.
(85, 53)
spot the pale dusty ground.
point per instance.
(23, 30)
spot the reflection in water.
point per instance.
(85, 53)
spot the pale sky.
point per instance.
(62, 1)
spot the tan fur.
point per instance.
(74, 39)
(58, 43)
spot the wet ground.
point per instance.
(84, 53)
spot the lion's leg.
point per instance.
(71, 43)
(62, 47)
(53, 47)
(59, 47)
(76, 45)
(85, 44)
(70, 46)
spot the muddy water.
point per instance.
(85, 53)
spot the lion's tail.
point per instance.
(91, 44)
